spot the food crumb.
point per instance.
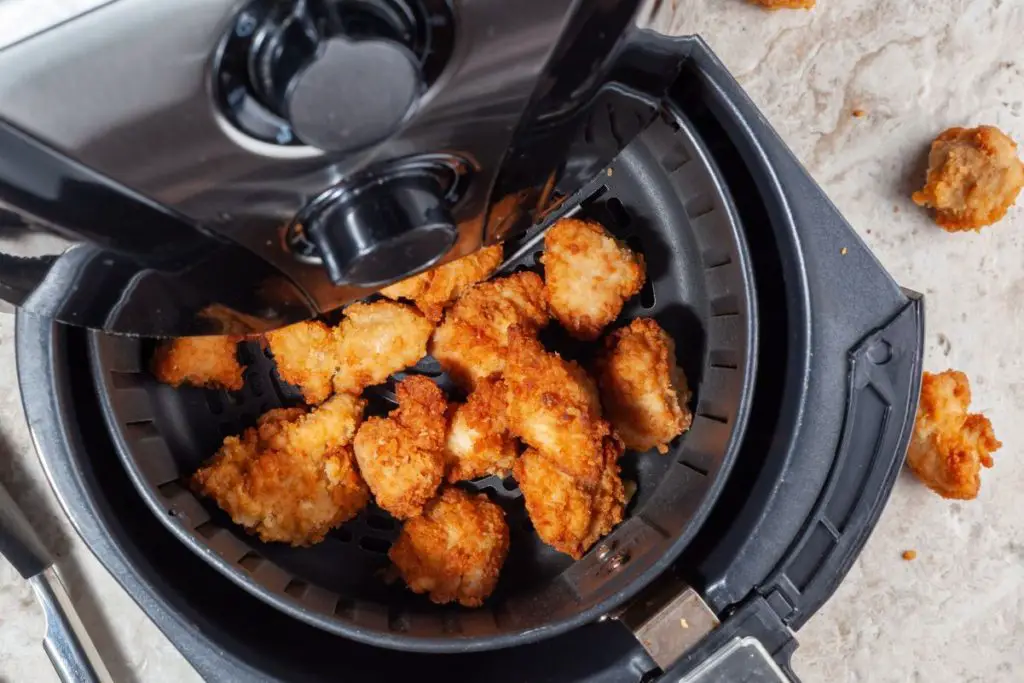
(859, 113)
(909, 555)
(682, 622)
(843, 251)
(609, 173)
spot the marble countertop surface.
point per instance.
(956, 613)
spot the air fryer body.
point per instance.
(227, 167)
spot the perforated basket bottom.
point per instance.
(663, 197)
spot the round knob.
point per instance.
(338, 93)
(383, 231)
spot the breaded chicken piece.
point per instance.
(376, 340)
(210, 362)
(785, 4)
(567, 514)
(589, 275)
(433, 290)
(455, 550)
(974, 177)
(306, 356)
(950, 446)
(471, 342)
(479, 442)
(401, 457)
(643, 391)
(553, 406)
(293, 477)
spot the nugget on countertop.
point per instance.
(210, 362)
(643, 391)
(471, 343)
(949, 445)
(401, 457)
(292, 478)
(479, 442)
(974, 176)
(589, 275)
(453, 551)
(553, 406)
(378, 339)
(306, 355)
(433, 290)
(568, 514)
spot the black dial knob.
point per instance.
(382, 231)
(339, 92)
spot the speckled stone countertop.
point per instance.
(956, 613)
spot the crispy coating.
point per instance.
(402, 456)
(376, 340)
(568, 514)
(292, 478)
(643, 391)
(974, 177)
(455, 550)
(553, 406)
(949, 445)
(471, 342)
(433, 290)
(589, 275)
(306, 356)
(210, 362)
(479, 442)
(785, 4)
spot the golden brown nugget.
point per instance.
(553, 406)
(589, 276)
(210, 362)
(433, 290)
(974, 176)
(293, 477)
(455, 550)
(643, 391)
(479, 442)
(401, 457)
(376, 340)
(306, 355)
(569, 515)
(471, 343)
(949, 445)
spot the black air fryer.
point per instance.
(188, 167)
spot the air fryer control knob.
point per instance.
(339, 94)
(383, 231)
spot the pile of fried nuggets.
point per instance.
(559, 429)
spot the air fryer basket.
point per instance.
(664, 196)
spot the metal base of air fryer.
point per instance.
(840, 348)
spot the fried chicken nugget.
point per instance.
(974, 177)
(306, 356)
(479, 442)
(455, 550)
(553, 406)
(378, 339)
(401, 457)
(643, 391)
(589, 275)
(210, 362)
(568, 514)
(433, 290)
(471, 342)
(950, 446)
(292, 478)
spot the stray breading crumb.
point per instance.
(859, 113)
(589, 276)
(909, 555)
(974, 177)
(950, 446)
(210, 362)
(433, 290)
(785, 4)
(844, 251)
(455, 550)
